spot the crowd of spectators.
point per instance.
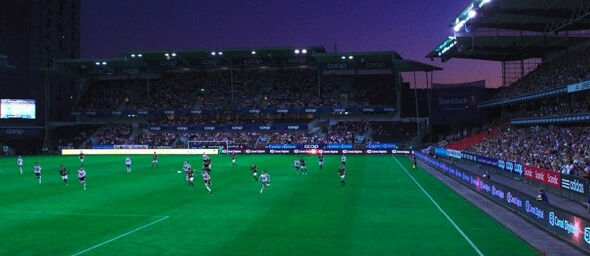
(155, 139)
(562, 71)
(115, 134)
(249, 88)
(561, 149)
(345, 132)
(69, 137)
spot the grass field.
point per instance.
(386, 208)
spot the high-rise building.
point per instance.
(32, 34)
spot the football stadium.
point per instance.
(298, 150)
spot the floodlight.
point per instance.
(296, 51)
(350, 57)
(132, 55)
(219, 53)
(458, 26)
(253, 52)
(166, 54)
(139, 55)
(343, 57)
(104, 63)
(213, 53)
(471, 14)
(173, 54)
(304, 51)
(97, 63)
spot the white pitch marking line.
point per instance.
(441, 210)
(117, 237)
(84, 214)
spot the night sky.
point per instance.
(411, 27)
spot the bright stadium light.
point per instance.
(104, 63)
(296, 51)
(97, 63)
(132, 55)
(167, 54)
(173, 54)
(471, 14)
(350, 57)
(219, 53)
(343, 57)
(139, 55)
(213, 53)
(253, 52)
(304, 51)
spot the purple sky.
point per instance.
(411, 27)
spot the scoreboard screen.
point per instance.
(17, 109)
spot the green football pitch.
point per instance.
(385, 208)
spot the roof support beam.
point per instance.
(578, 13)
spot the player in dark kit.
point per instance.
(64, 174)
(233, 160)
(207, 164)
(190, 176)
(414, 163)
(254, 170)
(321, 161)
(342, 174)
(155, 160)
(81, 157)
(303, 166)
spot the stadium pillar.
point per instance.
(416, 101)
(46, 112)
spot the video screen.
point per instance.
(17, 109)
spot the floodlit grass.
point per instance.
(380, 211)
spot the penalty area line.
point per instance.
(119, 236)
(440, 209)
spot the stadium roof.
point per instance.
(515, 29)
(149, 62)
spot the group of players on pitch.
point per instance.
(299, 164)
(81, 173)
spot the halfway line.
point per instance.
(115, 238)
(440, 209)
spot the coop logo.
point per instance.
(339, 110)
(155, 128)
(196, 111)
(336, 65)
(375, 65)
(254, 111)
(573, 185)
(209, 128)
(368, 110)
(182, 128)
(282, 110)
(264, 127)
(388, 109)
(296, 60)
(168, 63)
(131, 71)
(587, 234)
(115, 113)
(518, 168)
(311, 146)
(509, 166)
(237, 127)
(169, 112)
(96, 71)
(253, 61)
(311, 110)
(293, 127)
(209, 62)
(142, 112)
(14, 131)
(501, 164)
